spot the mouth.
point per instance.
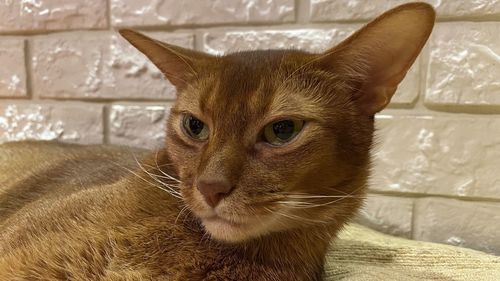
(226, 230)
(217, 219)
(230, 225)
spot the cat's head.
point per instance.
(266, 141)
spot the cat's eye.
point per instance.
(283, 131)
(195, 128)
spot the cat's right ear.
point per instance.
(179, 65)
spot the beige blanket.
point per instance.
(363, 254)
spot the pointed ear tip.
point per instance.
(416, 12)
(430, 15)
(126, 33)
(426, 8)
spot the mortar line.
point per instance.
(29, 70)
(418, 195)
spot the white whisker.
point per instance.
(295, 217)
(306, 205)
(161, 171)
(172, 191)
(317, 196)
(295, 202)
(180, 212)
(137, 175)
(159, 176)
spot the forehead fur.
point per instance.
(248, 86)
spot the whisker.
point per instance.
(317, 196)
(151, 174)
(294, 202)
(161, 171)
(180, 212)
(160, 176)
(171, 191)
(137, 175)
(295, 217)
(305, 205)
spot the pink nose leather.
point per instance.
(214, 190)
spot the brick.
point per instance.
(52, 15)
(170, 12)
(468, 224)
(312, 40)
(456, 156)
(13, 77)
(390, 215)
(79, 123)
(138, 125)
(98, 65)
(464, 64)
(332, 10)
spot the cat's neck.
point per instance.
(303, 247)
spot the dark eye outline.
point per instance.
(269, 129)
(185, 128)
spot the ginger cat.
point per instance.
(266, 158)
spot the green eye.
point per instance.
(281, 132)
(194, 127)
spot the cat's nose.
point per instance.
(213, 190)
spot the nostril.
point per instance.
(213, 190)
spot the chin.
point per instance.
(230, 232)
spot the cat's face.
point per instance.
(266, 141)
(279, 140)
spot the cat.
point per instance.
(267, 157)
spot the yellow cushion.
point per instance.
(364, 254)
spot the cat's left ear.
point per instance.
(376, 58)
(179, 65)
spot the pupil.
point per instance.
(195, 125)
(283, 129)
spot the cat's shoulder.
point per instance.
(31, 170)
(54, 149)
(26, 155)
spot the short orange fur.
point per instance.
(70, 212)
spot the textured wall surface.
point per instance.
(66, 74)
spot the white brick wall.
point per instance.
(425, 154)
(67, 75)
(463, 65)
(33, 16)
(348, 10)
(72, 122)
(174, 12)
(12, 78)
(461, 223)
(97, 65)
(138, 125)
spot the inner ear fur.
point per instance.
(377, 57)
(179, 65)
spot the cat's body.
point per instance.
(267, 156)
(78, 213)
